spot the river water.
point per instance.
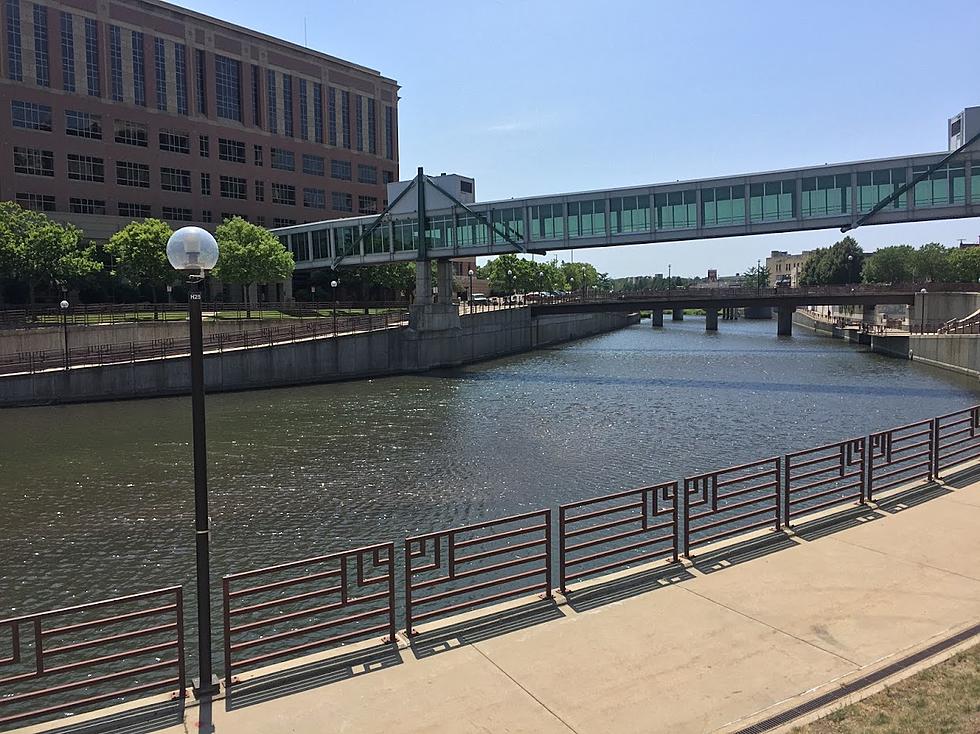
(97, 500)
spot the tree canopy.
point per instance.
(512, 274)
(831, 266)
(250, 254)
(140, 253)
(894, 264)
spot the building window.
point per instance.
(206, 215)
(318, 112)
(260, 190)
(256, 101)
(676, 209)
(282, 222)
(180, 77)
(628, 214)
(86, 206)
(136, 211)
(260, 220)
(42, 66)
(332, 115)
(132, 174)
(131, 133)
(388, 177)
(287, 105)
(257, 154)
(315, 165)
(304, 108)
(175, 141)
(67, 52)
(205, 184)
(85, 168)
(345, 116)
(283, 194)
(874, 186)
(314, 198)
(389, 132)
(723, 205)
(204, 146)
(93, 78)
(30, 116)
(367, 174)
(231, 150)
(359, 110)
(342, 201)
(228, 88)
(284, 160)
(270, 93)
(139, 70)
(367, 204)
(340, 170)
(233, 187)
(15, 68)
(201, 87)
(37, 202)
(33, 161)
(160, 66)
(772, 201)
(547, 221)
(177, 214)
(372, 127)
(115, 64)
(175, 179)
(943, 187)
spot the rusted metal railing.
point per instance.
(616, 531)
(295, 608)
(900, 455)
(98, 653)
(476, 565)
(815, 479)
(957, 438)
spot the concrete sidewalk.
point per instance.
(701, 649)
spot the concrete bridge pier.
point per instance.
(711, 319)
(868, 314)
(657, 317)
(784, 325)
(444, 281)
(425, 315)
(676, 314)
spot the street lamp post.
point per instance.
(922, 313)
(334, 284)
(510, 285)
(471, 289)
(194, 251)
(758, 274)
(669, 279)
(313, 295)
(64, 329)
(850, 269)
(170, 293)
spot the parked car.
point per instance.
(480, 299)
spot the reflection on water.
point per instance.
(97, 499)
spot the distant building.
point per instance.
(724, 281)
(784, 267)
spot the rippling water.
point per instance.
(98, 500)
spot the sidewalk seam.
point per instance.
(906, 560)
(516, 683)
(776, 629)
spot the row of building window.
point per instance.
(228, 81)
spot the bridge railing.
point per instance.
(827, 476)
(957, 437)
(900, 455)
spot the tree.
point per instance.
(932, 262)
(894, 264)
(37, 250)
(250, 254)
(964, 264)
(140, 253)
(757, 276)
(839, 264)
(580, 275)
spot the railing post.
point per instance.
(870, 462)
(226, 626)
(561, 550)
(547, 553)
(683, 539)
(865, 496)
(181, 656)
(782, 514)
(933, 449)
(408, 588)
(779, 494)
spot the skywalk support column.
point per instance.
(423, 283)
(784, 326)
(677, 314)
(444, 281)
(657, 317)
(711, 319)
(426, 316)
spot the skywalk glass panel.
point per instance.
(345, 237)
(723, 206)
(438, 230)
(470, 231)
(299, 246)
(547, 222)
(826, 196)
(676, 209)
(406, 235)
(378, 241)
(975, 184)
(321, 243)
(509, 221)
(587, 218)
(944, 186)
(873, 186)
(771, 201)
(629, 214)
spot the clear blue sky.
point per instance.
(548, 97)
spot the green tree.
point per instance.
(757, 276)
(37, 250)
(894, 264)
(839, 264)
(250, 254)
(579, 276)
(139, 251)
(964, 264)
(932, 262)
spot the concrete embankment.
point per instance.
(370, 354)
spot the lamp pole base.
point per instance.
(209, 690)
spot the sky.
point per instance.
(559, 96)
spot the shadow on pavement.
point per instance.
(824, 526)
(142, 720)
(911, 498)
(747, 550)
(313, 675)
(427, 644)
(963, 478)
(623, 588)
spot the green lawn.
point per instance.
(944, 699)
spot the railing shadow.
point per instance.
(313, 675)
(141, 720)
(913, 497)
(742, 552)
(844, 519)
(962, 478)
(597, 595)
(443, 639)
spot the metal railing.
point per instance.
(957, 437)
(815, 479)
(311, 604)
(518, 549)
(97, 653)
(156, 349)
(900, 455)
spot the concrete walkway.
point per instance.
(705, 648)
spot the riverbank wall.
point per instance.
(380, 353)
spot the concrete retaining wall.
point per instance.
(957, 352)
(373, 354)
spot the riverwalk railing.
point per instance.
(288, 611)
(81, 656)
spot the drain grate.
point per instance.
(856, 685)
